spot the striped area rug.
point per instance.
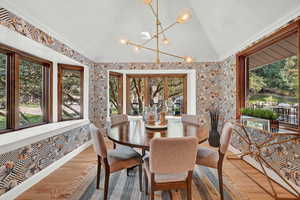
(123, 187)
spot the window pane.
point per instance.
(31, 93)
(71, 94)
(156, 91)
(114, 96)
(275, 86)
(3, 90)
(175, 102)
(136, 96)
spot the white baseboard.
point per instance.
(19, 189)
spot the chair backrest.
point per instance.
(118, 119)
(225, 137)
(172, 155)
(98, 140)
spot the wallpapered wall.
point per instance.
(18, 165)
(209, 82)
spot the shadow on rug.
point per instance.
(122, 187)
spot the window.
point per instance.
(115, 93)
(166, 91)
(25, 90)
(31, 93)
(268, 75)
(3, 91)
(135, 95)
(70, 92)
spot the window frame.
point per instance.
(14, 57)
(166, 92)
(119, 76)
(61, 68)
(242, 74)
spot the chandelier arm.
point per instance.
(155, 15)
(154, 50)
(157, 35)
(161, 32)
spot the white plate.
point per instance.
(157, 126)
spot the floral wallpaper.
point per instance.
(228, 88)
(20, 164)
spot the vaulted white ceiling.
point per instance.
(93, 27)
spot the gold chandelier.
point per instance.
(160, 31)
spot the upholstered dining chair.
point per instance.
(213, 159)
(170, 164)
(113, 160)
(201, 121)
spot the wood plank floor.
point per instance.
(69, 180)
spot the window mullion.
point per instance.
(59, 81)
(81, 92)
(13, 91)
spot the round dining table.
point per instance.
(134, 133)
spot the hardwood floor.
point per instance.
(70, 180)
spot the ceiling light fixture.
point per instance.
(183, 16)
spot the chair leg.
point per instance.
(106, 184)
(114, 146)
(151, 187)
(141, 177)
(189, 185)
(146, 183)
(151, 194)
(189, 191)
(220, 174)
(98, 172)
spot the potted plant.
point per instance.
(261, 117)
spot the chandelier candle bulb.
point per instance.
(166, 41)
(123, 41)
(184, 16)
(148, 2)
(188, 59)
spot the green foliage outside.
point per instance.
(260, 113)
(31, 93)
(71, 94)
(275, 83)
(113, 94)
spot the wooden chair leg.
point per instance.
(189, 185)
(220, 174)
(151, 187)
(141, 177)
(106, 184)
(146, 183)
(98, 172)
(151, 194)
